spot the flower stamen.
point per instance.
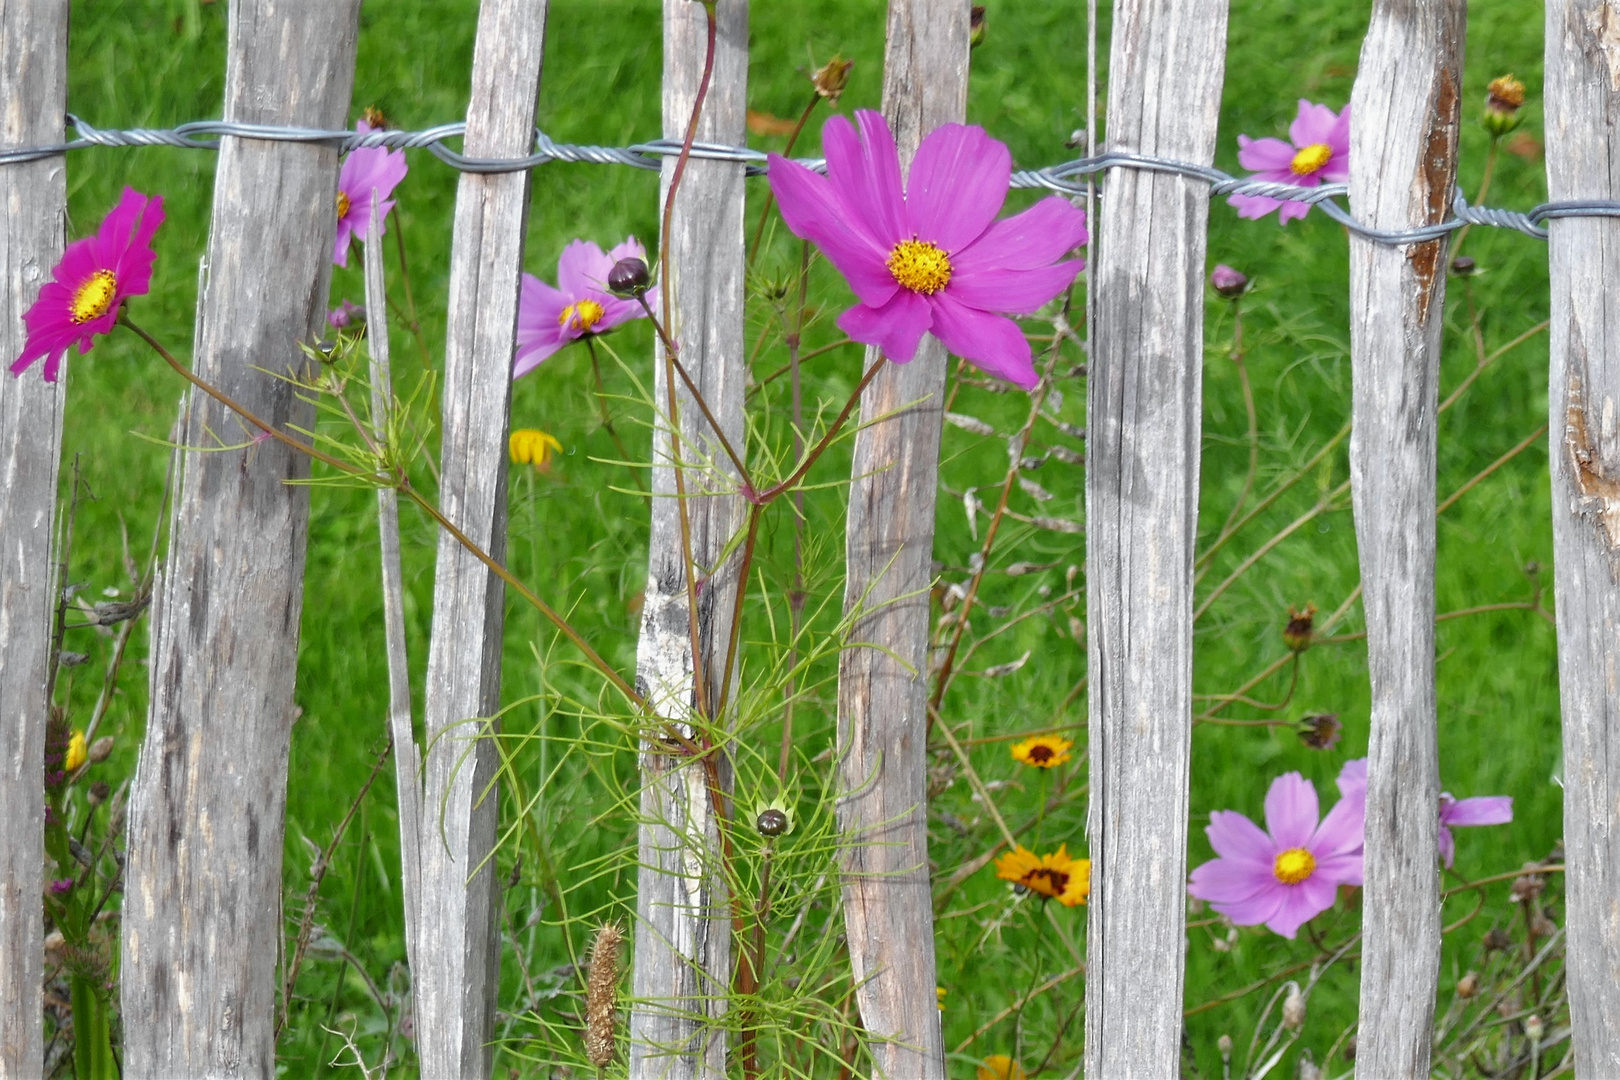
(94, 296)
(582, 315)
(920, 266)
(1293, 866)
(342, 204)
(1310, 159)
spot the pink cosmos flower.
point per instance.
(1481, 810)
(1318, 151)
(89, 285)
(345, 315)
(1289, 874)
(365, 169)
(549, 318)
(928, 255)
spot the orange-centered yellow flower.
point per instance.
(1000, 1067)
(1055, 876)
(1043, 751)
(531, 447)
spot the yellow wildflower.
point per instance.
(1043, 751)
(531, 447)
(1055, 876)
(1000, 1067)
(77, 752)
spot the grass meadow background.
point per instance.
(580, 535)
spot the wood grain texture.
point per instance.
(1403, 163)
(683, 929)
(458, 932)
(1582, 105)
(889, 547)
(202, 907)
(407, 756)
(33, 202)
(1144, 397)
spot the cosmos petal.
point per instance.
(957, 185)
(813, 211)
(864, 174)
(1265, 154)
(992, 342)
(896, 328)
(1291, 811)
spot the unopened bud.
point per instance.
(1308, 1069)
(1497, 939)
(1534, 1028)
(1228, 282)
(976, 26)
(1293, 1010)
(1468, 985)
(628, 277)
(98, 793)
(1220, 945)
(1224, 1045)
(772, 822)
(101, 749)
(1464, 266)
(1301, 628)
(72, 659)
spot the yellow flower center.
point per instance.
(1310, 159)
(1294, 866)
(342, 205)
(94, 296)
(581, 316)
(920, 266)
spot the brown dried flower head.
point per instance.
(1505, 93)
(374, 117)
(1468, 985)
(601, 995)
(1300, 629)
(831, 78)
(1320, 732)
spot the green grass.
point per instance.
(582, 538)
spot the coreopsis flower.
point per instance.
(1480, 810)
(1055, 876)
(531, 447)
(77, 752)
(926, 253)
(368, 169)
(88, 287)
(581, 304)
(1288, 874)
(1318, 151)
(1043, 751)
(999, 1067)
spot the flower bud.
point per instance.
(346, 315)
(628, 277)
(1468, 985)
(1503, 100)
(976, 26)
(98, 792)
(1228, 282)
(1300, 629)
(1293, 1010)
(772, 822)
(1224, 1045)
(1497, 939)
(72, 659)
(62, 886)
(1320, 732)
(1534, 1028)
(1463, 266)
(1308, 1069)
(101, 749)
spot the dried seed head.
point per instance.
(1320, 732)
(1300, 629)
(1542, 926)
(601, 995)
(1308, 1069)
(101, 749)
(1527, 886)
(98, 793)
(1293, 1010)
(1503, 98)
(1468, 985)
(831, 78)
(1497, 939)
(374, 117)
(1224, 1045)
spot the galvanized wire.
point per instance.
(1066, 178)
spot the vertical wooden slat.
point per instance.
(201, 926)
(458, 940)
(889, 547)
(1144, 396)
(1403, 164)
(683, 933)
(1583, 162)
(33, 200)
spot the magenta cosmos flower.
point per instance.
(1480, 810)
(1288, 874)
(928, 255)
(89, 285)
(1318, 151)
(550, 318)
(364, 170)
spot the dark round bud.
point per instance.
(1463, 266)
(771, 822)
(1227, 282)
(628, 277)
(99, 792)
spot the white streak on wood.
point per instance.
(458, 932)
(33, 200)
(1403, 163)
(1144, 398)
(889, 547)
(201, 926)
(1582, 104)
(683, 952)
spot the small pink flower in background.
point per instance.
(89, 285)
(1481, 810)
(365, 169)
(345, 315)
(549, 318)
(927, 254)
(62, 885)
(1318, 152)
(1288, 874)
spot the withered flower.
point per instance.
(1301, 627)
(831, 78)
(1320, 732)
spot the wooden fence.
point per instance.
(201, 911)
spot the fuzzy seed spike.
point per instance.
(601, 995)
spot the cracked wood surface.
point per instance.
(33, 200)
(202, 907)
(683, 946)
(1582, 105)
(1167, 62)
(458, 924)
(1403, 163)
(889, 546)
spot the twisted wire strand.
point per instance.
(1066, 178)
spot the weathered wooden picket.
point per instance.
(201, 915)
